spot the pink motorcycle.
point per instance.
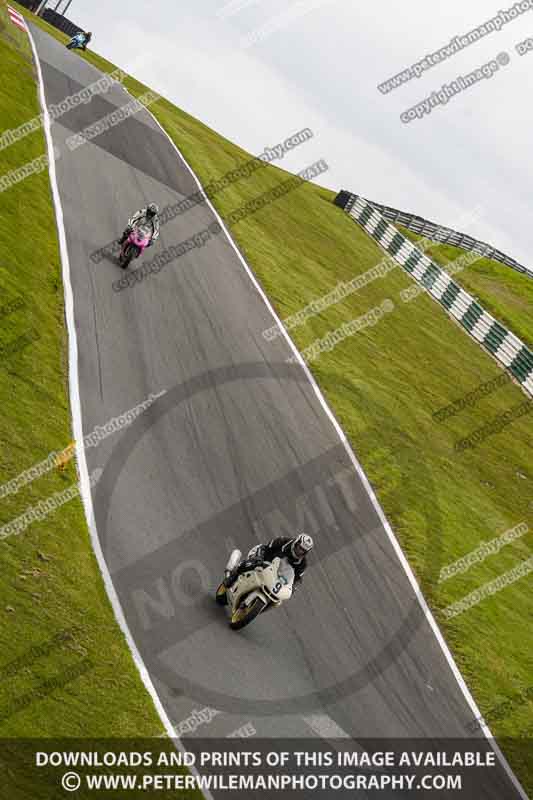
(134, 245)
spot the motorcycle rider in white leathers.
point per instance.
(292, 553)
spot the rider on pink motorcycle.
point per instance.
(145, 216)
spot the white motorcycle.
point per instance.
(255, 590)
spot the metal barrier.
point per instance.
(437, 233)
(507, 348)
(60, 22)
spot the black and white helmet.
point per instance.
(302, 545)
(152, 209)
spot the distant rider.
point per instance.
(80, 39)
(291, 551)
(145, 216)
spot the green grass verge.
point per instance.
(501, 290)
(384, 385)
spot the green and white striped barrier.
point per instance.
(507, 348)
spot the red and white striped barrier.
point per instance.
(17, 18)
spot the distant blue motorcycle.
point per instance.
(79, 41)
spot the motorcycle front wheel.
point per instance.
(128, 256)
(246, 614)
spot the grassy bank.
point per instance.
(385, 384)
(502, 291)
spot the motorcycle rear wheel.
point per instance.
(246, 614)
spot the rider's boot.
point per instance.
(230, 578)
(125, 235)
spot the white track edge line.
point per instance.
(396, 546)
(75, 402)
